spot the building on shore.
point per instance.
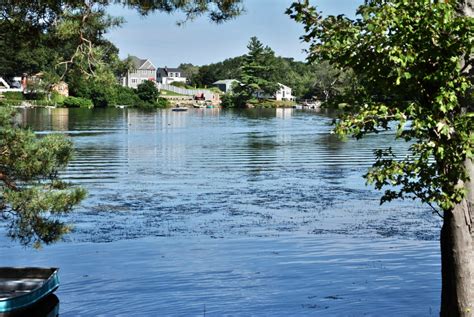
(167, 75)
(141, 70)
(225, 85)
(283, 93)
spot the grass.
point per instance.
(269, 103)
(34, 103)
(165, 92)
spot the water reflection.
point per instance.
(284, 113)
(261, 153)
(256, 114)
(54, 119)
(258, 210)
(46, 307)
(218, 173)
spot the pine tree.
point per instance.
(255, 71)
(32, 195)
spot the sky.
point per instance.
(157, 36)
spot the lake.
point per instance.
(246, 213)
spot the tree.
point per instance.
(32, 196)
(416, 54)
(256, 70)
(62, 35)
(307, 80)
(148, 92)
(330, 82)
(189, 70)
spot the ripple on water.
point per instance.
(226, 174)
(236, 213)
(288, 275)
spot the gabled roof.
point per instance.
(283, 86)
(139, 63)
(166, 70)
(225, 81)
(4, 83)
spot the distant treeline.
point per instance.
(308, 80)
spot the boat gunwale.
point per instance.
(49, 285)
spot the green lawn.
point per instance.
(165, 92)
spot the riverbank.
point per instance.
(268, 103)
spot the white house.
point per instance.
(3, 84)
(169, 75)
(142, 70)
(283, 93)
(15, 85)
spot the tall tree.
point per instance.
(419, 54)
(256, 71)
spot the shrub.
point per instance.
(56, 98)
(78, 102)
(179, 84)
(9, 102)
(126, 96)
(148, 92)
(144, 105)
(160, 103)
(227, 101)
(102, 94)
(233, 101)
(13, 95)
(163, 103)
(35, 95)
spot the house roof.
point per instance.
(166, 70)
(139, 63)
(283, 86)
(225, 81)
(4, 84)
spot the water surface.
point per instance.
(258, 212)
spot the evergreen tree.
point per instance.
(256, 71)
(32, 196)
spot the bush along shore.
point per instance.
(146, 96)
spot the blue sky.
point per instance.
(200, 42)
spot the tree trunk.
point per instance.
(457, 234)
(457, 263)
(470, 205)
(457, 254)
